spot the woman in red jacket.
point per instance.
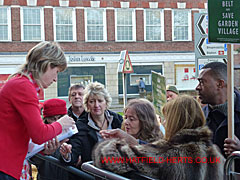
(19, 112)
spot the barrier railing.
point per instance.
(70, 169)
(101, 174)
(228, 173)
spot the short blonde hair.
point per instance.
(39, 57)
(96, 88)
(149, 126)
(183, 112)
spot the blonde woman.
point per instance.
(19, 112)
(96, 101)
(186, 152)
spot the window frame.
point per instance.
(9, 38)
(104, 24)
(41, 24)
(161, 11)
(133, 24)
(147, 83)
(189, 24)
(73, 24)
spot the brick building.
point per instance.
(159, 36)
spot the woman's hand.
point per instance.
(118, 133)
(66, 122)
(51, 146)
(65, 149)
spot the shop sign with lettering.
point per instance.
(224, 18)
(78, 59)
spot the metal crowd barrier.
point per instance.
(229, 174)
(101, 174)
(70, 169)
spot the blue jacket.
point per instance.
(217, 122)
(141, 84)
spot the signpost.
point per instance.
(203, 48)
(125, 66)
(224, 18)
(210, 49)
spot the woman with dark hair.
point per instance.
(19, 112)
(140, 120)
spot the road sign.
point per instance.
(203, 61)
(202, 24)
(127, 67)
(211, 49)
(121, 61)
(224, 19)
(204, 49)
(125, 64)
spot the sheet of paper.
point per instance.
(35, 148)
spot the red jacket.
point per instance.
(20, 120)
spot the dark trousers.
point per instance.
(4, 176)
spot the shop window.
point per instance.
(181, 25)
(185, 75)
(134, 79)
(5, 24)
(125, 29)
(84, 80)
(79, 75)
(95, 23)
(154, 25)
(32, 24)
(140, 70)
(64, 24)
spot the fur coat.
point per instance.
(188, 155)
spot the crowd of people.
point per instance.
(192, 144)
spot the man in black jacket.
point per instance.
(212, 90)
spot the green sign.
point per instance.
(158, 92)
(224, 19)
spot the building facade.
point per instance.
(159, 36)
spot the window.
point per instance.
(154, 25)
(182, 25)
(65, 24)
(134, 79)
(125, 29)
(95, 22)
(142, 70)
(32, 24)
(81, 79)
(5, 24)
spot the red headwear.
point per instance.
(53, 107)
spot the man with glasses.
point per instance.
(75, 97)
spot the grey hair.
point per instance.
(75, 87)
(96, 88)
(39, 57)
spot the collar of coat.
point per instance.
(201, 134)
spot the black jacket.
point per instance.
(220, 127)
(218, 123)
(84, 141)
(70, 113)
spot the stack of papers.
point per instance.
(35, 148)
